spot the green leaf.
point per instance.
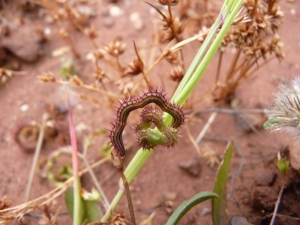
(187, 205)
(219, 204)
(90, 211)
(283, 165)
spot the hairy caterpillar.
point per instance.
(126, 106)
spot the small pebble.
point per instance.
(295, 155)
(137, 21)
(49, 19)
(170, 196)
(81, 127)
(191, 166)
(293, 11)
(87, 11)
(90, 57)
(115, 11)
(108, 21)
(238, 220)
(205, 211)
(24, 108)
(265, 178)
(47, 31)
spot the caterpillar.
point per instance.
(128, 105)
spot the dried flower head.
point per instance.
(99, 75)
(4, 203)
(173, 57)
(115, 48)
(210, 156)
(285, 113)
(261, 19)
(171, 28)
(177, 74)
(91, 32)
(5, 75)
(47, 77)
(134, 68)
(76, 81)
(50, 214)
(98, 54)
(166, 2)
(63, 33)
(125, 86)
(119, 219)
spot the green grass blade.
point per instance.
(187, 205)
(219, 204)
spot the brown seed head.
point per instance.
(50, 213)
(99, 75)
(4, 203)
(172, 57)
(91, 33)
(115, 48)
(119, 219)
(75, 80)
(276, 47)
(176, 74)
(98, 53)
(166, 2)
(166, 33)
(134, 68)
(5, 75)
(63, 33)
(47, 77)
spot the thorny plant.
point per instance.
(108, 60)
(255, 40)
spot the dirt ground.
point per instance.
(170, 176)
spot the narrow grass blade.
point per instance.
(69, 200)
(219, 204)
(187, 205)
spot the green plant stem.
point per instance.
(77, 212)
(199, 56)
(35, 160)
(77, 197)
(189, 87)
(193, 75)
